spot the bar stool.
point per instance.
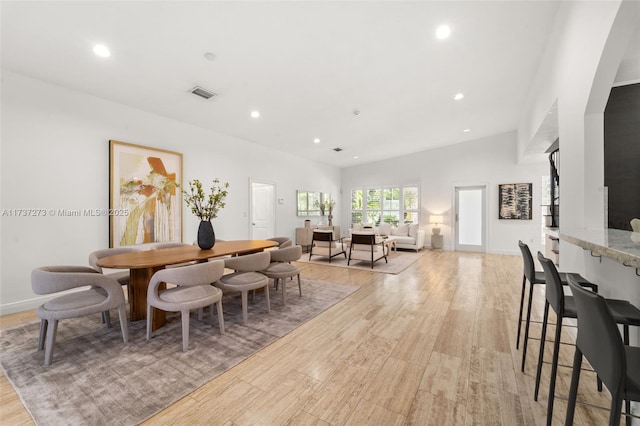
(536, 277)
(599, 341)
(624, 313)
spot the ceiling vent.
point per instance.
(203, 93)
(337, 149)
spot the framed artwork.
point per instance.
(515, 201)
(145, 199)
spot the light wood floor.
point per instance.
(432, 345)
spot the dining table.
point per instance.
(144, 263)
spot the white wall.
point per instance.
(489, 161)
(55, 155)
(578, 69)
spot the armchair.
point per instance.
(105, 293)
(323, 244)
(365, 247)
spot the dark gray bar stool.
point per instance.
(624, 313)
(536, 277)
(599, 341)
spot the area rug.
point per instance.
(397, 262)
(95, 379)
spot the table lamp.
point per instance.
(435, 218)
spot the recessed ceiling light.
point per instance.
(466, 130)
(101, 50)
(443, 32)
(355, 157)
(209, 56)
(255, 114)
(316, 140)
(458, 96)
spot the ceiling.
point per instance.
(306, 66)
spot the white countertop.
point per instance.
(616, 244)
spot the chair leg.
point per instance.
(122, 315)
(185, 330)
(245, 301)
(106, 318)
(149, 319)
(616, 407)
(554, 370)
(543, 337)
(284, 292)
(220, 317)
(266, 293)
(200, 314)
(51, 340)
(524, 285)
(43, 333)
(526, 327)
(573, 389)
(299, 285)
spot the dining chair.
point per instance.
(323, 244)
(280, 268)
(536, 278)
(104, 293)
(364, 247)
(283, 242)
(599, 341)
(564, 306)
(122, 276)
(247, 277)
(192, 290)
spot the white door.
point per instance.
(262, 210)
(470, 227)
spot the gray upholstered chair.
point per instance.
(192, 290)
(247, 276)
(281, 268)
(283, 242)
(121, 276)
(104, 293)
(323, 244)
(364, 247)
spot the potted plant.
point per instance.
(329, 205)
(206, 207)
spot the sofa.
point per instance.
(407, 236)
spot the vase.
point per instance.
(330, 218)
(206, 236)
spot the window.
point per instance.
(386, 204)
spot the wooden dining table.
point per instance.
(143, 264)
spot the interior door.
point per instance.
(470, 223)
(262, 210)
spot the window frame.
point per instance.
(383, 208)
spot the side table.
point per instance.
(436, 242)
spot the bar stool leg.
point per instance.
(543, 338)
(573, 389)
(526, 327)
(554, 370)
(524, 284)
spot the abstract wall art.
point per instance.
(515, 201)
(145, 202)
